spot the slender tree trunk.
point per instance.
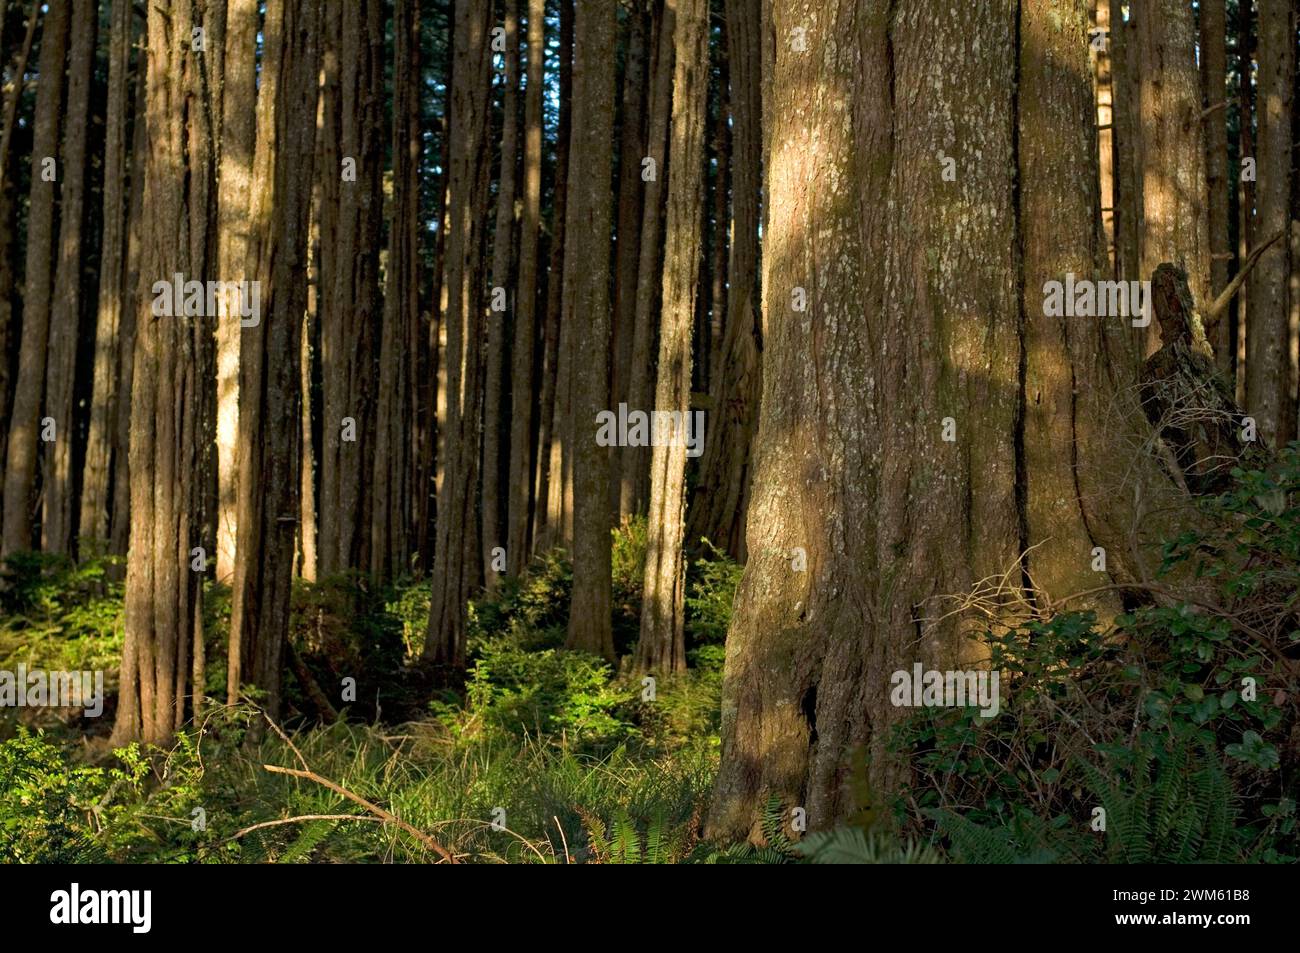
(120, 526)
(1268, 363)
(711, 334)
(551, 512)
(521, 412)
(502, 261)
(628, 246)
(662, 646)
(58, 490)
(163, 588)
(12, 95)
(100, 444)
(25, 424)
(586, 300)
(1214, 69)
(238, 135)
(722, 495)
(635, 474)
(456, 555)
(270, 351)
(1246, 201)
(390, 517)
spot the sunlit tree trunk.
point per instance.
(662, 645)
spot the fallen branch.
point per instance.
(387, 816)
(306, 817)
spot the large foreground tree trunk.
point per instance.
(893, 507)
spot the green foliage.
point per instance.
(711, 593)
(853, 845)
(58, 615)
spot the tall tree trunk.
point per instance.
(722, 495)
(25, 424)
(352, 309)
(100, 443)
(270, 350)
(58, 491)
(711, 333)
(390, 486)
(456, 555)
(119, 529)
(662, 646)
(238, 134)
(628, 245)
(12, 95)
(1105, 93)
(1175, 222)
(635, 473)
(894, 403)
(1214, 70)
(502, 261)
(163, 588)
(521, 376)
(1268, 362)
(551, 513)
(586, 300)
(1246, 188)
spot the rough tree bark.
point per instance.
(586, 313)
(269, 369)
(662, 644)
(870, 530)
(163, 588)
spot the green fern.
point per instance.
(853, 845)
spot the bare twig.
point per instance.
(308, 817)
(1210, 316)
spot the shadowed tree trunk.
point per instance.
(29, 387)
(1268, 358)
(662, 646)
(391, 487)
(113, 298)
(586, 313)
(551, 514)
(57, 491)
(722, 495)
(521, 375)
(456, 555)
(502, 260)
(627, 249)
(1214, 69)
(634, 472)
